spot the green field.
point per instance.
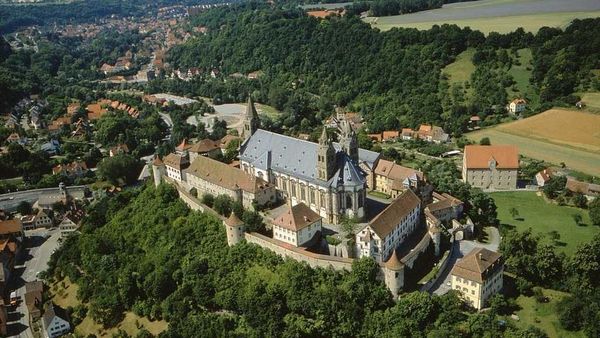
(543, 217)
(461, 69)
(592, 101)
(521, 75)
(542, 315)
(586, 162)
(503, 24)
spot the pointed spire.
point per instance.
(394, 263)
(250, 109)
(324, 136)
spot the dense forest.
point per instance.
(393, 78)
(145, 251)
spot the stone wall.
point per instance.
(299, 254)
(410, 258)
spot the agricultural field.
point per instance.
(495, 15)
(543, 217)
(555, 136)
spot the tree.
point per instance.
(577, 218)
(24, 208)
(348, 225)
(555, 185)
(223, 204)
(208, 199)
(579, 200)
(120, 169)
(485, 141)
(514, 212)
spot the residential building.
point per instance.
(206, 147)
(297, 225)
(118, 149)
(517, 106)
(330, 178)
(54, 322)
(174, 165)
(478, 276)
(542, 177)
(73, 169)
(445, 207)
(51, 147)
(585, 188)
(71, 222)
(209, 176)
(28, 222)
(388, 230)
(492, 167)
(11, 228)
(427, 133)
(392, 179)
(42, 220)
(33, 298)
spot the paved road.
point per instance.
(11, 200)
(34, 259)
(460, 250)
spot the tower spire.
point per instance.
(251, 120)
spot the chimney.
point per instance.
(305, 219)
(480, 256)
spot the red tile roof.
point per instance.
(479, 157)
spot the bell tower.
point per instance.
(251, 121)
(325, 157)
(348, 140)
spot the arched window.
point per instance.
(360, 199)
(348, 200)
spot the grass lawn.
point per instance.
(65, 295)
(521, 75)
(543, 217)
(542, 315)
(379, 194)
(501, 24)
(461, 69)
(269, 111)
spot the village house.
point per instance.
(209, 176)
(491, 167)
(445, 207)
(11, 228)
(478, 276)
(585, 188)
(384, 233)
(73, 169)
(392, 179)
(33, 299)
(28, 222)
(42, 220)
(54, 322)
(542, 177)
(51, 147)
(427, 133)
(297, 225)
(387, 135)
(71, 221)
(517, 106)
(118, 149)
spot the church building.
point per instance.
(330, 178)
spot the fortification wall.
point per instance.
(421, 247)
(299, 254)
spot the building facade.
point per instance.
(478, 276)
(210, 176)
(53, 324)
(491, 167)
(328, 177)
(388, 230)
(392, 179)
(297, 225)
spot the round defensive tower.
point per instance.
(393, 273)
(235, 229)
(158, 169)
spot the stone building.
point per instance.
(210, 176)
(392, 179)
(175, 164)
(384, 233)
(297, 225)
(328, 177)
(445, 207)
(206, 147)
(491, 167)
(478, 276)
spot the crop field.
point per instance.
(496, 15)
(556, 135)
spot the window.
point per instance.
(348, 200)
